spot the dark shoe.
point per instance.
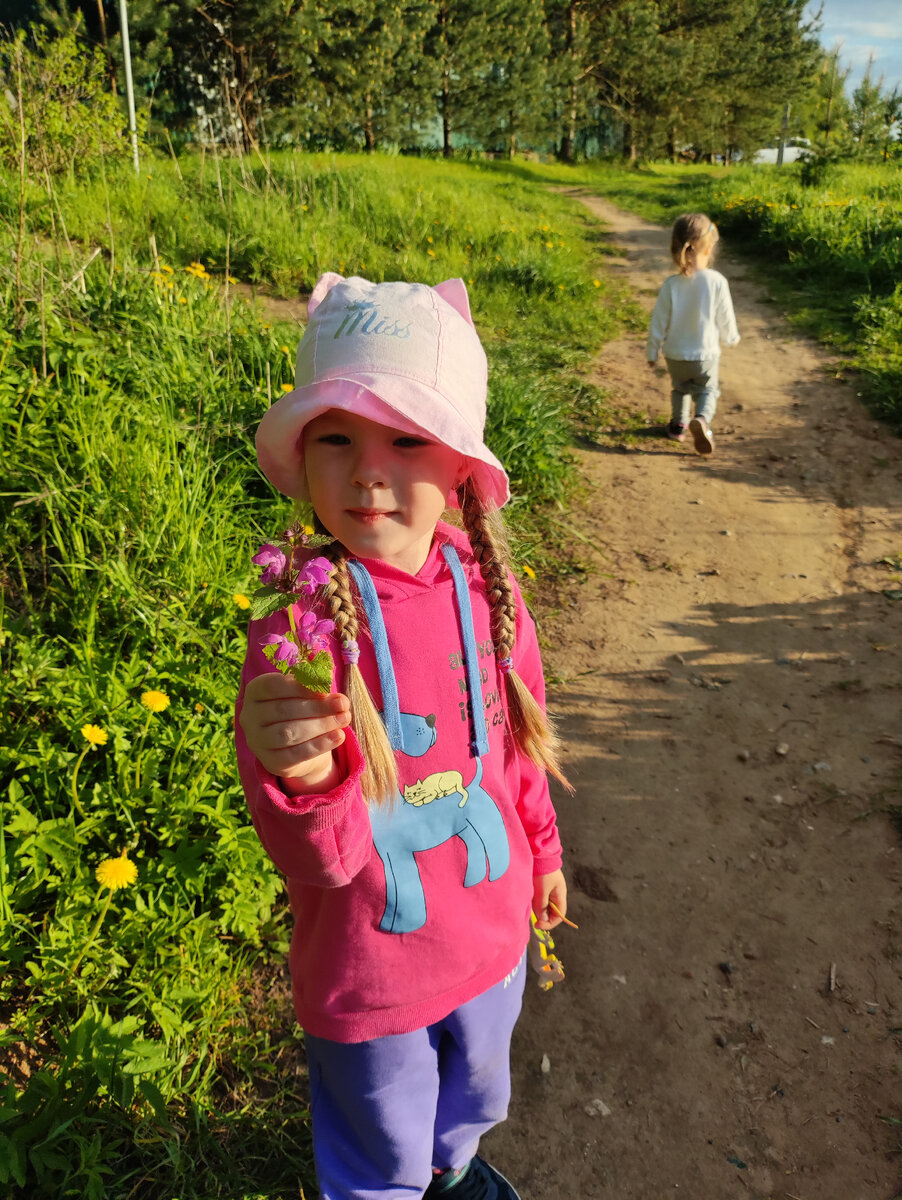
(702, 435)
(476, 1181)
(677, 431)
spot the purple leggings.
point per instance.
(385, 1112)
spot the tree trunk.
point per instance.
(369, 139)
(110, 66)
(447, 148)
(568, 140)
(629, 142)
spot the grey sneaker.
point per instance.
(677, 431)
(701, 435)
(476, 1181)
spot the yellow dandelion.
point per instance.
(155, 701)
(596, 283)
(429, 240)
(231, 279)
(287, 387)
(528, 571)
(198, 708)
(284, 349)
(167, 270)
(431, 253)
(241, 600)
(182, 300)
(95, 735)
(114, 873)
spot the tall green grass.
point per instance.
(146, 1044)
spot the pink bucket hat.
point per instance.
(403, 354)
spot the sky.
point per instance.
(864, 26)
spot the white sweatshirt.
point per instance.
(692, 316)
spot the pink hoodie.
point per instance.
(404, 913)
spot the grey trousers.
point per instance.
(693, 382)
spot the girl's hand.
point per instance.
(292, 731)
(548, 890)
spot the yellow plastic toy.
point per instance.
(542, 958)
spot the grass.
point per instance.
(147, 1048)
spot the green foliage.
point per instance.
(138, 1045)
(67, 119)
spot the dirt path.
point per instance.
(730, 698)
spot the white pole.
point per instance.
(129, 86)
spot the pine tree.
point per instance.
(515, 106)
(571, 89)
(459, 52)
(867, 116)
(831, 107)
(369, 63)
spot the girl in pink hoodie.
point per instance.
(406, 802)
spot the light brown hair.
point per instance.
(532, 733)
(691, 232)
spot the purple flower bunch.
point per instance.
(310, 632)
(303, 650)
(278, 572)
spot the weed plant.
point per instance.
(146, 1044)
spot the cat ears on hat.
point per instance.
(452, 291)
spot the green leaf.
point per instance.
(268, 600)
(316, 674)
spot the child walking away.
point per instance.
(692, 316)
(406, 801)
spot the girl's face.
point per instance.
(378, 490)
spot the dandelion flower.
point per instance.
(198, 708)
(285, 350)
(155, 701)
(596, 283)
(241, 600)
(116, 873)
(528, 571)
(287, 387)
(95, 735)
(231, 279)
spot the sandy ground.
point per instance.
(731, 1021)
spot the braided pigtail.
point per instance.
(380, 774)
(532, 732)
